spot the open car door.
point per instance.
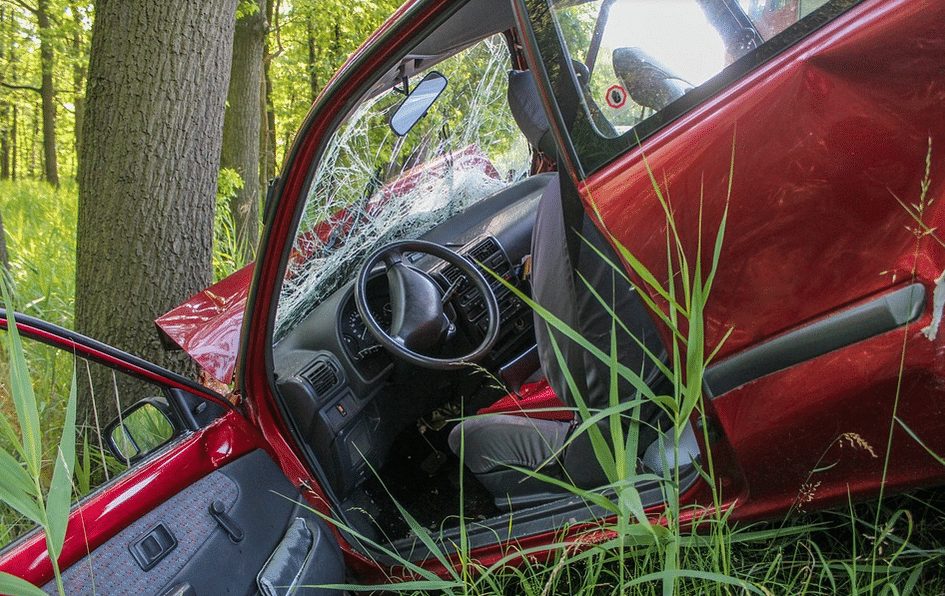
(830, 278)
(196, 507)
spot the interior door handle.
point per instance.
(229, 525)
(152, 547)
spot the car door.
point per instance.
(197, 506)
(830, 279)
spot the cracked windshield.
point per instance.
(373, 186)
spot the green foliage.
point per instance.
(246, 8)
(227, 246)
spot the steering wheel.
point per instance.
(418, 320)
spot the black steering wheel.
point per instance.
(419, 322)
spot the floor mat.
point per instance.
(424, 478)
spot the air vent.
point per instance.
(482, 251)
(323, 376)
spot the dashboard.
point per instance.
(347, 398)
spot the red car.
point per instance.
(491, 132)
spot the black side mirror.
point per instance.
(415, 105)
(140, 430)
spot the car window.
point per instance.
(108, 390)
(638, 64)
(635, 57)
(373, 186)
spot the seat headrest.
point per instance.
(529, 114)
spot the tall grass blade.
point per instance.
(60, 488)
(11, 584)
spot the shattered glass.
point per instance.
(373, 187)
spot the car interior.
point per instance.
(404, 353)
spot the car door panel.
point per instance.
(218, 457)
(258, 500)
(828, 137)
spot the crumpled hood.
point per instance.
(207, 326)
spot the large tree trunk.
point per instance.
(156, 94)
(242, 123)
(267, 130)
(47, 91)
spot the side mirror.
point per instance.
(415, 105)
(140, 430)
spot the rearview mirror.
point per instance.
(140, 430)
(415, 105)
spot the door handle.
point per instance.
(229, 525)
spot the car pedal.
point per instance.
(433, 462)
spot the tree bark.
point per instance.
(267, 132)
(4, 257)
(156, 93)
(78, 76)
(242, 124)
(47, 91)
(312, 63)
(14, 146)
(4, 109)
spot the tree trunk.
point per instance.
(156, 93)
(31, 169)
(14, 147)
(5, 142)
(267, 130)
(242, 124)
(312, 57)
(4, 113)
(4, 257)
(47, 91)
(78, 77)
(270, 154)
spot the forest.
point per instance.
(64, 223)
(68, 223)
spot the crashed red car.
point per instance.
(488, 131)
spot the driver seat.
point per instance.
(493, 445)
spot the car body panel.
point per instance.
(208, 325)
(103, 514)
(826, 136)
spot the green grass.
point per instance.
(40, 224)
(893, 545)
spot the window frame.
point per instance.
(587, 149)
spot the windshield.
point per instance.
(373, 186)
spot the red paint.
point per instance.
(108, 511)
(534, 400)
(117, 363)
(208, 325)
(824, 135)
